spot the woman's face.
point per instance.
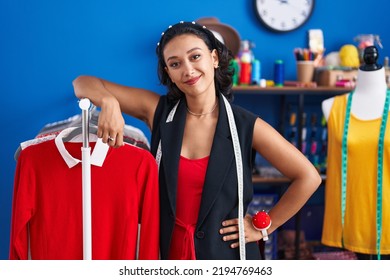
(190, 64)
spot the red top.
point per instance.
(191, 176)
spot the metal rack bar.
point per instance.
(86, 181)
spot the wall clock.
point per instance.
(283, 15)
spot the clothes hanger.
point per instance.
(77, 131)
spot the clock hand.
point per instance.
(298, 8)
(290, 4)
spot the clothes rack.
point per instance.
(84, 105)
(54, 214)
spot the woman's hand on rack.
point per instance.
(111, 122)
(230, 231)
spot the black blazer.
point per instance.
(219, 198)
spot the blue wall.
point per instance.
(45, 44)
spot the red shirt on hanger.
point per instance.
(47, 202)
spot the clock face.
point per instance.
(283, 15)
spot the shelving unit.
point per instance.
(290, 90)
(257, 179)
(300, 93)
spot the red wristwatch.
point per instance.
(262, 221)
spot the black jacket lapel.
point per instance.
(221, 159)
(171, 141)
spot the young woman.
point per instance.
(193, 143)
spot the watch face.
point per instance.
(283, 15)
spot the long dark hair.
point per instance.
(223, 74)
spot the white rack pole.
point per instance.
(86, 181)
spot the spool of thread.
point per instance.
(279, 73)
(236, 70)
(245, 73)
(256, 72)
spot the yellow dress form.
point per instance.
(359, 233)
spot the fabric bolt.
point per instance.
(47, 202)
(189, 193)
(359, 233)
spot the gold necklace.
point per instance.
(202, 114)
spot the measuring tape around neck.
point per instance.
(240, 178)
(344, 168)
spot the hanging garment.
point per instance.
(359, 233)
(47, 202)
(131, 135)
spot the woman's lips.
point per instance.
(192, 81)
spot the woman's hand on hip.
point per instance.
(230, 231)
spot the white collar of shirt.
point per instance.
(98, 154)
